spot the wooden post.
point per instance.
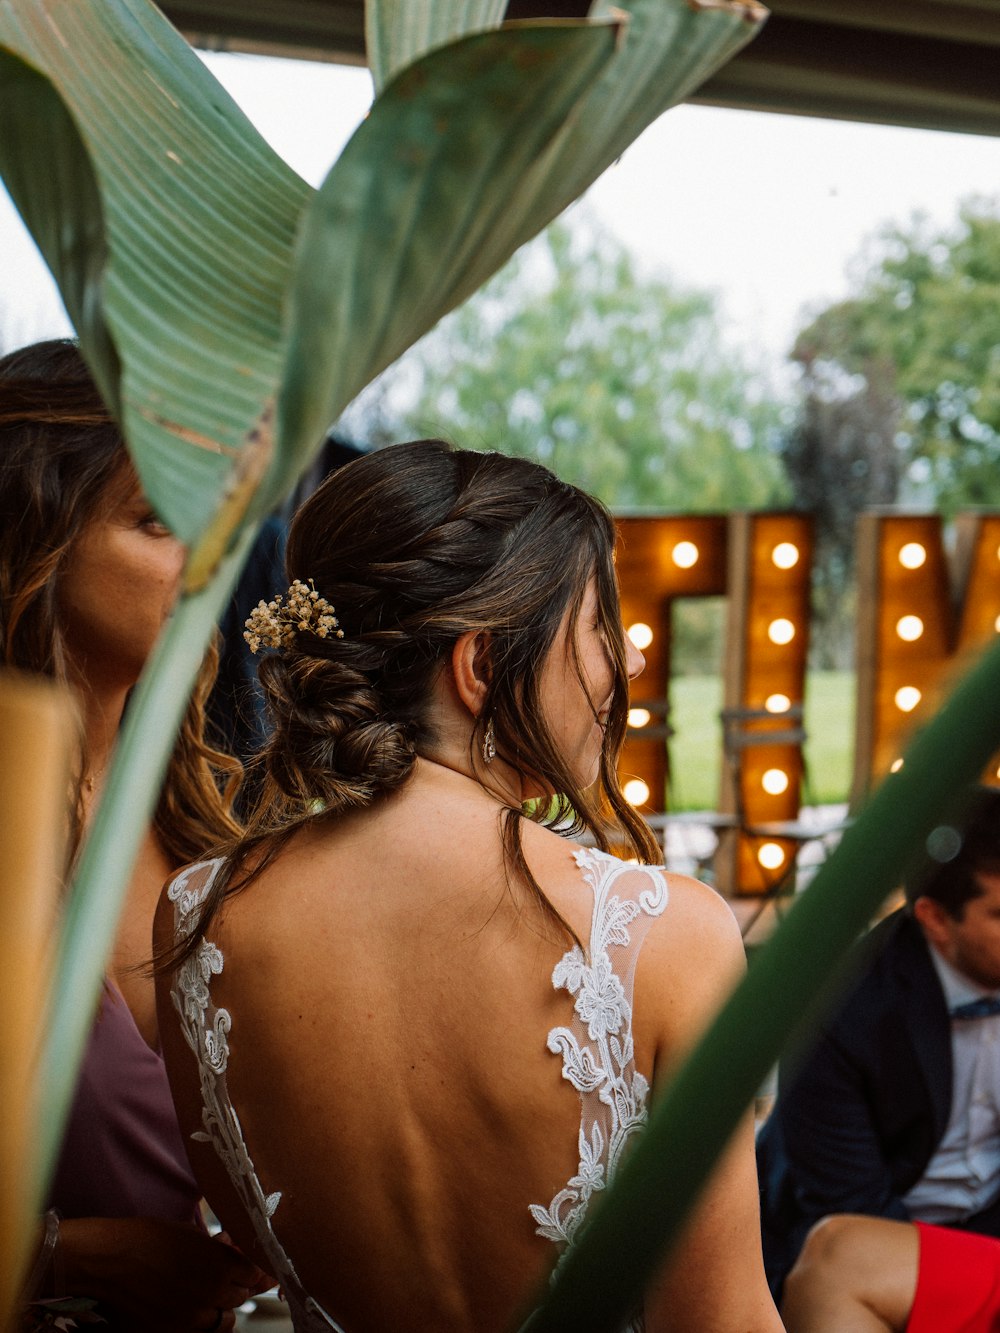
(36, 732)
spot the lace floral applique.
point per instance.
(206, 1030)
(596, 1048)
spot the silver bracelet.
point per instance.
(46, 1254)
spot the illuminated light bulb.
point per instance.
(635, 791)
(640, 634)
(684, 555)
(785, 555)
(912, 555)
(907, 698)
(896, 765)
(909, 628)
(998, 552)
(638, 717)
(771, 856)
(781, 631)
(777, 703)
(775, 781)
(996, 624)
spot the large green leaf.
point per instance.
(435, 170)
(666, 49)
(200, 218)
(397, 32)
(789, 987)
(61, 206)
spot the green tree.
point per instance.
(841, 457)
(923, 325)
(619, 382)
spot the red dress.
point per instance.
(958, 1283)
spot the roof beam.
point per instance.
(826, 69)
(926, 63)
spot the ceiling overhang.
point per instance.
(927, 63)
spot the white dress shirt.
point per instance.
(963, 1176)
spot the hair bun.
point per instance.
(332, 741)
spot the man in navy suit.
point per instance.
(896, 1110)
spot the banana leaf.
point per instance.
(397, 32)
(431, 179)
(199, 218)
(229, 313)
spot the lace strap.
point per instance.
(206, 1030)
(596, 1046)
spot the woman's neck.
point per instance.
(103, 709)
(503, 788)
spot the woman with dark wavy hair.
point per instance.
(88, 574)
(411, 1023)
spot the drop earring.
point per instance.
(489, 743)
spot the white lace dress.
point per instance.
(595, 1046)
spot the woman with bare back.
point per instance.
(412, 1024)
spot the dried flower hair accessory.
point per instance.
(275, 624)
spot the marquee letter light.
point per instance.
(977, 578)
(660, 558)
(767, 637)
(976, 574)
(916, 621)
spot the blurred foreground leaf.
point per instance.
(790, 985)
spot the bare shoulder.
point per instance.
(699, 920)
(548, 851)
(691, 956)
(692, 959)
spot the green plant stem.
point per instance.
(789, 987)
(142, 754)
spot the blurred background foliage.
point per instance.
(629, 384)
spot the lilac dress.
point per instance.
(122, 1154)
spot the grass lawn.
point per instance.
(696, 748)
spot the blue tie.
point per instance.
(983, 1008)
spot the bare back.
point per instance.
(391, 997)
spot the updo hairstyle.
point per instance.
(416, 545)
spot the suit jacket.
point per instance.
(856, 1124)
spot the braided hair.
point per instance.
(416, 545)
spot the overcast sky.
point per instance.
(765, 210)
